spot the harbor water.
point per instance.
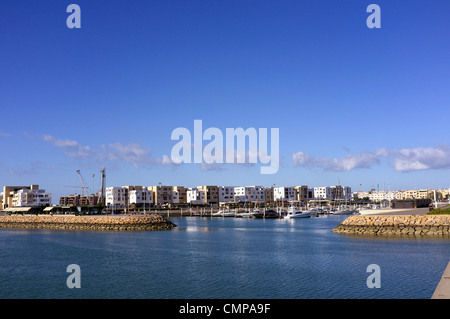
(216, 258)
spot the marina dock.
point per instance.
(443, 288)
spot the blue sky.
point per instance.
(364, 107)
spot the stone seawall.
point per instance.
(70, 222)
(416, 225)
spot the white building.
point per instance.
(360, 194)
(116, 196)
(140, 197)
(381, 196)
(249, 194)
(195, 196)
(226, 194)
(284, 193)
(337, 192)
(323, 193)
(175, 197)
(31, 197)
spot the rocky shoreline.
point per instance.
(71, 222)
(385, 225)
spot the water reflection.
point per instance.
(194, 228)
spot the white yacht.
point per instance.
(293, 212)
(223, 213)
(246, 214)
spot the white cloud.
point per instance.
(72, 148)
(35, 167)
(347, 163)
(210, 167)
(133, 153)
(403, 160)
(420, 158)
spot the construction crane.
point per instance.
(83, 182)
(73, 186)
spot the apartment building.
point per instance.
(162, 194)
(301, 194)
(413, 194)
(211, 194)
(78, 200)
(268, 195)
(337, 192)
(323, 193)
(381, 196)
(31, 197)
(24, 196)
(249, 194)
(284, 193)
(140, 197)
(226, 194)
(360, 195)
(180, 196)
(116, 196)
(195, 196)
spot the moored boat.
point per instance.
(293, 212)
(223, 213)
(246, 214)
(266, 214)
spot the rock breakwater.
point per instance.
(70, 222)
(412, 225)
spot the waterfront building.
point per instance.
(341, 192)
(116, 196)
(360, 195)
(175, 197)
(284, 193)
(35, 197)
(211, 194)
(31, 197)
(195, 196)
(180, 194)
(381, 196)
(413, 194)
(226, 194)
(140, 197)
(268, 195)
(347, 193)
(162, 194)
(301, 194)
(78, 200)
(323, 193)
(336, 192)
(249, 194)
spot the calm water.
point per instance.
(219, 258)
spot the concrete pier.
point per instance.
(443, 288)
